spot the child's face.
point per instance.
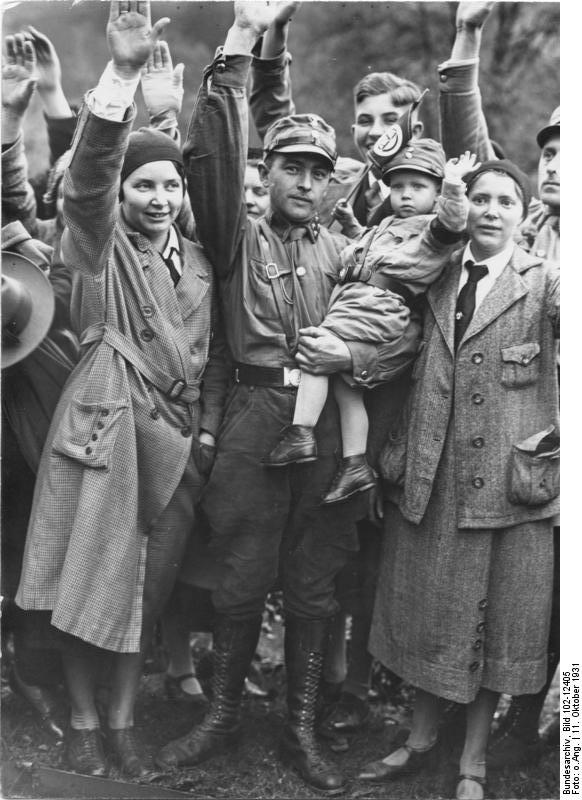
(412, 193)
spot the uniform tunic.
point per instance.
(123, 432)
(465, 584)
(257, 515)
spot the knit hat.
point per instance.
(146, 145)
(508, 168)
(420, 155)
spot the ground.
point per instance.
(253, 770)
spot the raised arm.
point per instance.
(463, 124)
(271, 95)
(216, 149)
(92, 180)
(19, 78)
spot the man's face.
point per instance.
(495, 211)
(374, 115)
(256, 195)
(297, 183)
(549, 173)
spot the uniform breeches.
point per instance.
(267, 521)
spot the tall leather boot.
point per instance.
(235, 642)
(305, 642)
(517, 739)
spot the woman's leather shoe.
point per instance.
(85, 752)
(126, 752)
(379, 771)
(175, 690)
(40, 699)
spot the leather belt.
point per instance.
(254, 375)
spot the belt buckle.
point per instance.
(272, 270)
(291, 376)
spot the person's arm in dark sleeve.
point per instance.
(216, 376)
(462, 121)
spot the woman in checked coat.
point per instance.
(464, 592)
(132, 435)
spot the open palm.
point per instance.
(130, 34)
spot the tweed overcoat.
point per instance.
(499, 390)
(118, 444)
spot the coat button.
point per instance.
(398, 240)
(186, 431)
(480, 627)
(147, 311)
(94, 437)
(104, 412)
(477, 398)
(147, 335)
(154, 413)
(477, 358)
(100, 425)
(300, 272)
(364, 373)
(482, 605)
(477, 644)
(478, 441)
(478, 483)
(474, 666)
(88, 450)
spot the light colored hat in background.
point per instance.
(28, 307)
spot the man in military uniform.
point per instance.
(276, 276)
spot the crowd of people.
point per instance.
(283, 368)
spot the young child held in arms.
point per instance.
(382, 275)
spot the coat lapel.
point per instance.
(506, 290)
(442, 297)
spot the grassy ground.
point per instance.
(253, 769)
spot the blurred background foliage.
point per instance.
(333, 45)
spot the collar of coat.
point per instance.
(286, 231)
(506, 290)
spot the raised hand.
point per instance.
(473, 13)
(131, 37)
(257, 16)
(162, 84)
(19, 74)
(285, 12)
(457, 168)
(47, 61)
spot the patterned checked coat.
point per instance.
(118, 445)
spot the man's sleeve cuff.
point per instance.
(459, 77)
(364, 360)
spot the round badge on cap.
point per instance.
(389, 143)
(28, 306)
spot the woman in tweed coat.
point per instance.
(123, 463)
(464, 592)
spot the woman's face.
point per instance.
(152, 198)
(495, 211)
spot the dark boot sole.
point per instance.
(341, 499)
(288, 463)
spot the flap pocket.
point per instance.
(520, 364)
(392, 458)
(535, 469)
(88, 431)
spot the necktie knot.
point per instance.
(476, 271)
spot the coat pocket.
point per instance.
(534, 477)
(392, 458)
(520, 365)
(88, 432)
